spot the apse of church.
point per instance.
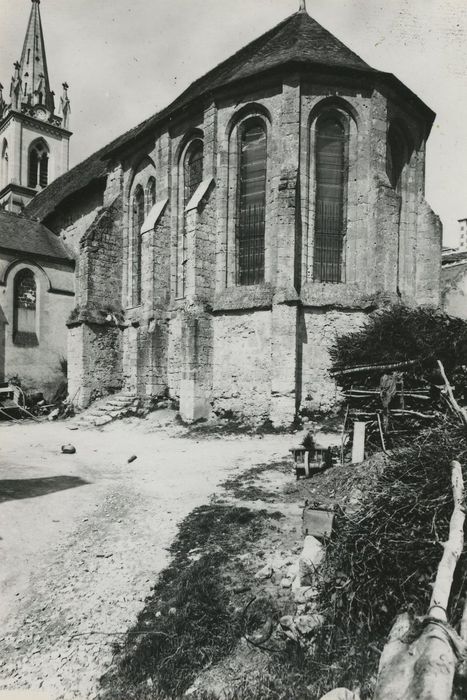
(224, 243)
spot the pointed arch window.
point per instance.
(24, 309)
(38, 165)
(193, 169)
(136, 244)
(150, 194)
(331, 156)
(251, 202)
(396, 156)
(193, 164)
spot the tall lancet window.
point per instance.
(251, 195)
(137, 220)
(38, 165)
(192, 178)
(150, 194)
(331, 188)
(396, 157)
(24, 309)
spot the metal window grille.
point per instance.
(251, 204)
(136, 247)
(331, 172)
(250, 246)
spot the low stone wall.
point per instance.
(94, 362)
(317, 332)
(242, 364)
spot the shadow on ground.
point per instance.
(15, 489)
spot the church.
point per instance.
(36, 268)
(222, 244)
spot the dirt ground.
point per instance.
(83, 536)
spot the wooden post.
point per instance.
(358, 446)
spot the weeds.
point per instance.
(384, 559)
(192, 619)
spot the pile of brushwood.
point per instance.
(389, 372)
(385, 557)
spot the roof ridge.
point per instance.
(297, 39)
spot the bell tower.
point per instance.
(34, 139)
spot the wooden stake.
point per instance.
(358, 445)
(383, 445)
(452, 549)
(461, 412)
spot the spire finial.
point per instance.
(302, 7)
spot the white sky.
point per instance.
(126, 59)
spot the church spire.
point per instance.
(34, 73)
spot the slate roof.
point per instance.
(298, 39)
(20, 234)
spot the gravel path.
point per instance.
(82, 537)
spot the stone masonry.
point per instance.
(260, 351)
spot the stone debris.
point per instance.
(306, 624)
(300, 628)
(132, 459)
(303, 594)
(68, 449)
(341, 694)
(264, 573)
(310, 559)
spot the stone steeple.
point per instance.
(33, 71)
(34, 139)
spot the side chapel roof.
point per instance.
(23, 235)
(298, 40)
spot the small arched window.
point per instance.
(331, 149)
(396, 155)
(137, 220)
(192, 178)
(251, 202)
(38, 165)
(24, 309)
(150, 194)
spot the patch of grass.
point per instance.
(230, 423)
(193, 618)
(245, 485)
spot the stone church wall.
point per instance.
(318, 331)
(95, 352)
(38, 367)
(242, 364)
(260, 351)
